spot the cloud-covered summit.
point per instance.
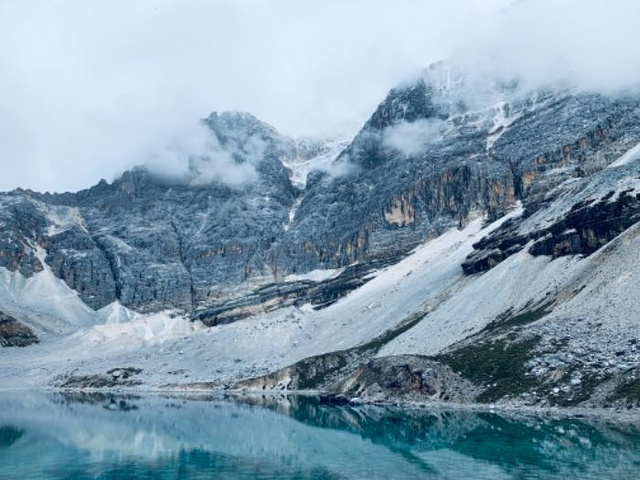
(82, 102)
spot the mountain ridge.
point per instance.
(475, 214)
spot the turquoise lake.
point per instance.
(90, 436)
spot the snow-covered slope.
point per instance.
(314, 155)
(554, 324)
(160, 344)
(597, 287)
(43, 301)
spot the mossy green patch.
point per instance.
(629, 390)
(500, 364)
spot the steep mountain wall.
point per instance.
(437, 153)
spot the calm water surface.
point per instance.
(104, 437)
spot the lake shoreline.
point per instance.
(631, 416)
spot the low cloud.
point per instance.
(339, 168)
(411, 138)
(80, 103)
(196, 157)
(588, 44)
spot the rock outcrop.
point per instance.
(579, 228)
(15, 334)
(407, 378)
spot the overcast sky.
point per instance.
(89, 88)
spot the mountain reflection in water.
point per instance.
(96, 436)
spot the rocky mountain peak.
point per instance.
(404, 103)
(234, 125)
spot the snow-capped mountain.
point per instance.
(464, 246)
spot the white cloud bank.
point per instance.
(195, 156)
(411, 138)
(91, 88)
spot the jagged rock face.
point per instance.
(432, 156)
(591, 220)
(20, 221)
(588, 227)
(156, 243)
(435, 154)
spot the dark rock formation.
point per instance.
(21, 222)
(154, 242)
(273, 296)
(407, 377)
(494, 248)
(116, 377)
(14, 333)
(586, 227)
(589, 226)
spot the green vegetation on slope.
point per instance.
(499, 364)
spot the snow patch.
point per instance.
(300, 168)
(63, 218)
(114, 313)
(44, 301)
(631, 156)
(315, 275)
(292, 213)
(137, 330)
(501, 122)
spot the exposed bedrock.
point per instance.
(15, 334)
(407, 378)
(587, 226)
(319, 294)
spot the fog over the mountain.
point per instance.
(92, 88)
